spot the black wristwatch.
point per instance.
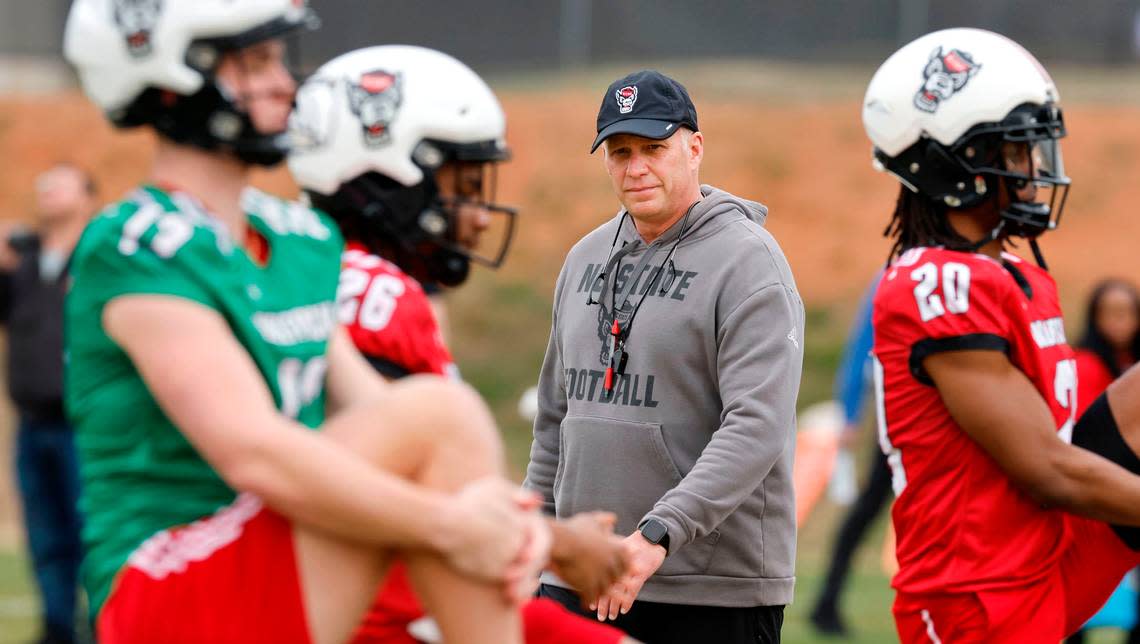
(655, 532)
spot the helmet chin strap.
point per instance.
(1037, 253)
(996, 232)
(1032, 212)
(1016, 212)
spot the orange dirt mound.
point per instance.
(809, 162)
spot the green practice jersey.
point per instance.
(139, 474)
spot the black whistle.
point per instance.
(618, 360)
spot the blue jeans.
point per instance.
(49, 489)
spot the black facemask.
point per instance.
(971, 172)
(413, 226)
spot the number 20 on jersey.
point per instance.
(955, 297)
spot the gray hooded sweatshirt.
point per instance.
(697, 430)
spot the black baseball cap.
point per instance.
(645, 103)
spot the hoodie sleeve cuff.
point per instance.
(674, 522)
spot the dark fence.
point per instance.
(508, 34)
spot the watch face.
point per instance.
(654, 531)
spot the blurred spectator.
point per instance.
(33, 280)
(852, 381)
(1110, 344)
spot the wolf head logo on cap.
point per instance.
(626, 97)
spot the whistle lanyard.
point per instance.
(619, 334)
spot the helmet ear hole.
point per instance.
(931, 170)
(940, 162)
(433, 223)
(203, 57)
(428, 156)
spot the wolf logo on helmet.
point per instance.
(945, 75)
(136, 19)
(375, 100)
(626, 97)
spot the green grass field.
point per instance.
(866, 602)
(18, 604)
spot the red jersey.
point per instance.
(961, 523)
(1093, 376)
(389, 317)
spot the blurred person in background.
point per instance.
(413, 211)
(33, 281)
(853, 381)
(1109, 345)
(668, 391)
(1111, 340)
(247, 476)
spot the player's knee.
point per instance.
(456, 415)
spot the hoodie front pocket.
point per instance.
(616, 465)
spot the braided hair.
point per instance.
(918, 221)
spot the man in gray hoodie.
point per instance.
(668, 390)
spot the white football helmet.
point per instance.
(369, 132)
(939, 110)
(133, 55)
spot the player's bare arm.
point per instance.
(350, 380)
(997, 405)
(212, 391)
